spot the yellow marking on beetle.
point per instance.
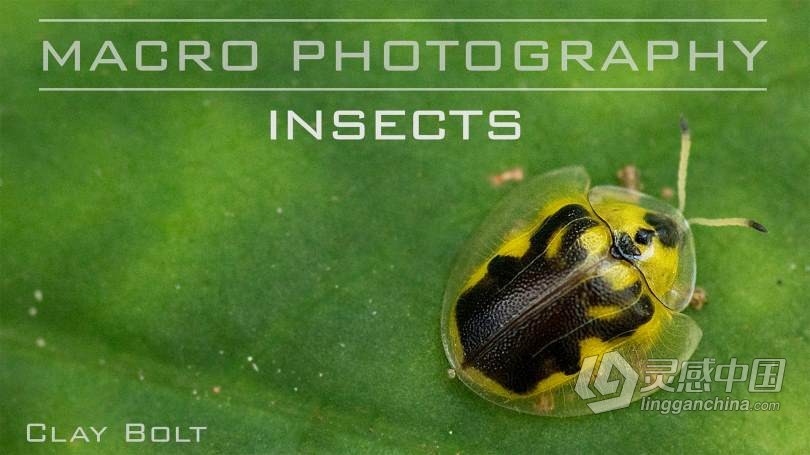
(649, 333)
(604, 312)
(517, 246)
(477, 276)
(555, 244)
(592, 346)
(661, 268)
(618, 274)
(596, 240)
(554, 381)
(485, 383)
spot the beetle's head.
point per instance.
(651, 235)
(655, 236)
(643, 236)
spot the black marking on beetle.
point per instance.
(501, 294)
(626, 248)
(665, 227)
(550, 341)
(525, 319)
(504, 268)
(554, 223)
(644, 236)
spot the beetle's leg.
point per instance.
(544, 403)
(699, 298)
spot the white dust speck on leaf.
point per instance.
(250, 358)
(40, 342)
(320, 375)
(32, 311)
(38, 295)
(279, 210)
(141, 377)
(216, 389)
(255, 367)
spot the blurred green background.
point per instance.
(167, 245)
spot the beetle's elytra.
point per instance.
(561, 271)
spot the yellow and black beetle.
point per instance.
(560, 272)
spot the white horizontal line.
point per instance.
(415, 21)
(403, 89)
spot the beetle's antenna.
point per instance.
(716, 222)
(686, 144)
